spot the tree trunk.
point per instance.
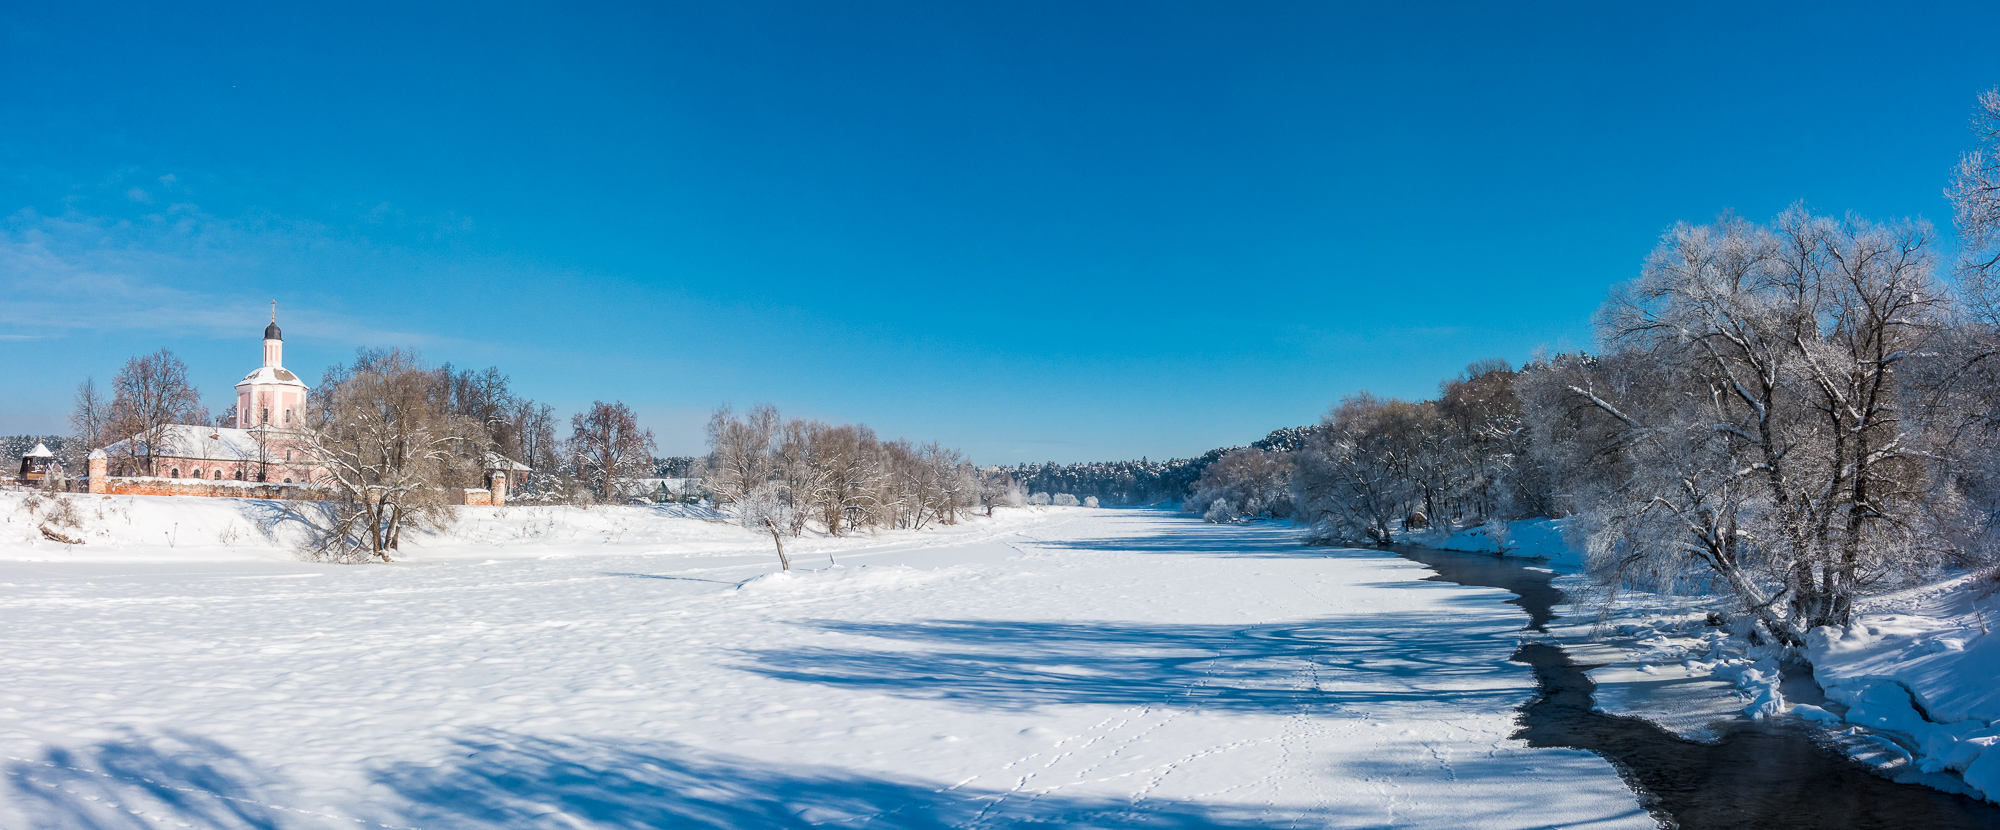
(776, 539)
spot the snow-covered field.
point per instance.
(627, 667)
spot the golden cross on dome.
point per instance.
(274, 311)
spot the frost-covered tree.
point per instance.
(1755, 419)
(767, 509)
(1251, 481)
(1975, 199)
(998, 489)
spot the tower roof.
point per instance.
(271, 375)
(271, 332)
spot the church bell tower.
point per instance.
(271, 397)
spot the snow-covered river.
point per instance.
(1089, 668)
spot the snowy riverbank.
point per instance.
(1086, 667)
(166, 529)
(1917, 670)
(1908, 688)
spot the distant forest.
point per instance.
(1143, 481)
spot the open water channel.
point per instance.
(1760, 774)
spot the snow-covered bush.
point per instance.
(1501, 532)
(1065, 500)
(1038, 499)
(1089, 501)
(1221, 511)
(1013, 496)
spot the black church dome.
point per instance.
(271, 332)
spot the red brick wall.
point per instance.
(197, 487)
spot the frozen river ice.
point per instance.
(1103, 668)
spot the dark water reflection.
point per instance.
(1767, 774)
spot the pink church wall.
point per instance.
(251, 404)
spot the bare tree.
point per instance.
(534, 428)
(847, 467)
(150, 393)
(610, 448)
(90, 416)
(484, 398)
(841, 477)
(740, 452)
(1352, 480)
(387, 448)
(789, 463)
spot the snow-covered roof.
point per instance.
(205, 443)
(496, 461)
(41, 450)
(272, 375)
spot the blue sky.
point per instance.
(1036, 231)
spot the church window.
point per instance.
(288, 479)
(267, 414)
(197, 472)
(288, 414)
(239, 474)
(218, 475)
(174, 473)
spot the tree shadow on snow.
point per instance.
(1332, 664)
(504, 780)
(1258, 540)
(511, 780)
(630, 575)
(139, 782)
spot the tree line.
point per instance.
(1793, 413)
(785, 475)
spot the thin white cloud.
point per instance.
(177, 269)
